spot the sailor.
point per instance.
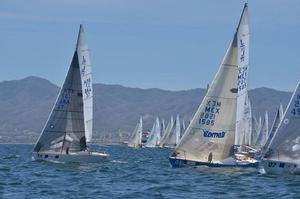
(67, 151)
(210, 157)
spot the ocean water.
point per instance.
(132, 173)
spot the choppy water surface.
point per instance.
(132, 173)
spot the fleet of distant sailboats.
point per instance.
(160, 136)
(222, 133)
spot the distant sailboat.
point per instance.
(283, 154)
(277, 120)
(264, 132)
(154, 137)
(70, 123)
(167, 133)
(254, 130)
(209, 139)
(172, 138)
(135, 140)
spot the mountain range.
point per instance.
(26, 103)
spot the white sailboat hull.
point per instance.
(279, 167)
(80, 157)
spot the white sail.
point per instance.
(243, 65)
(177, 130)
(247, 122)
(212, 129)
(281, 111)
(167, 133)
(163, 128)
(154, 137)
(183, 127)
(173, 137)
(254, 132)
(264, 132)
(65, 127)
(285, 144)
(274, 127)
(86, 82)
(136, 138)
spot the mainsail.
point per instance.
(136, 138)
(241, 128)
(285, 145)
(86, 82)
(66, 127)
(247, 121)
(154, 137)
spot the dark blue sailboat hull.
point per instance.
(177, 163)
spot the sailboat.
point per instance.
(210, 138)
(283, 154)
(69, 126)
(154, 137)
(167, 133)
(135, 140)
(264, 132)
(277, 119)
(172, 137)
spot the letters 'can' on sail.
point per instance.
(70, 123)
(210, 137)
(283, 154)
(135, 140)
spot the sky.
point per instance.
(167, 44)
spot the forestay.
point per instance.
(285, 144)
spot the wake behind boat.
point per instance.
(213, 132)
(70, 124)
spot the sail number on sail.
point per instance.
(296, 109)
(242, 71)
(87, 87)
(211, 109)
(65, 98)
